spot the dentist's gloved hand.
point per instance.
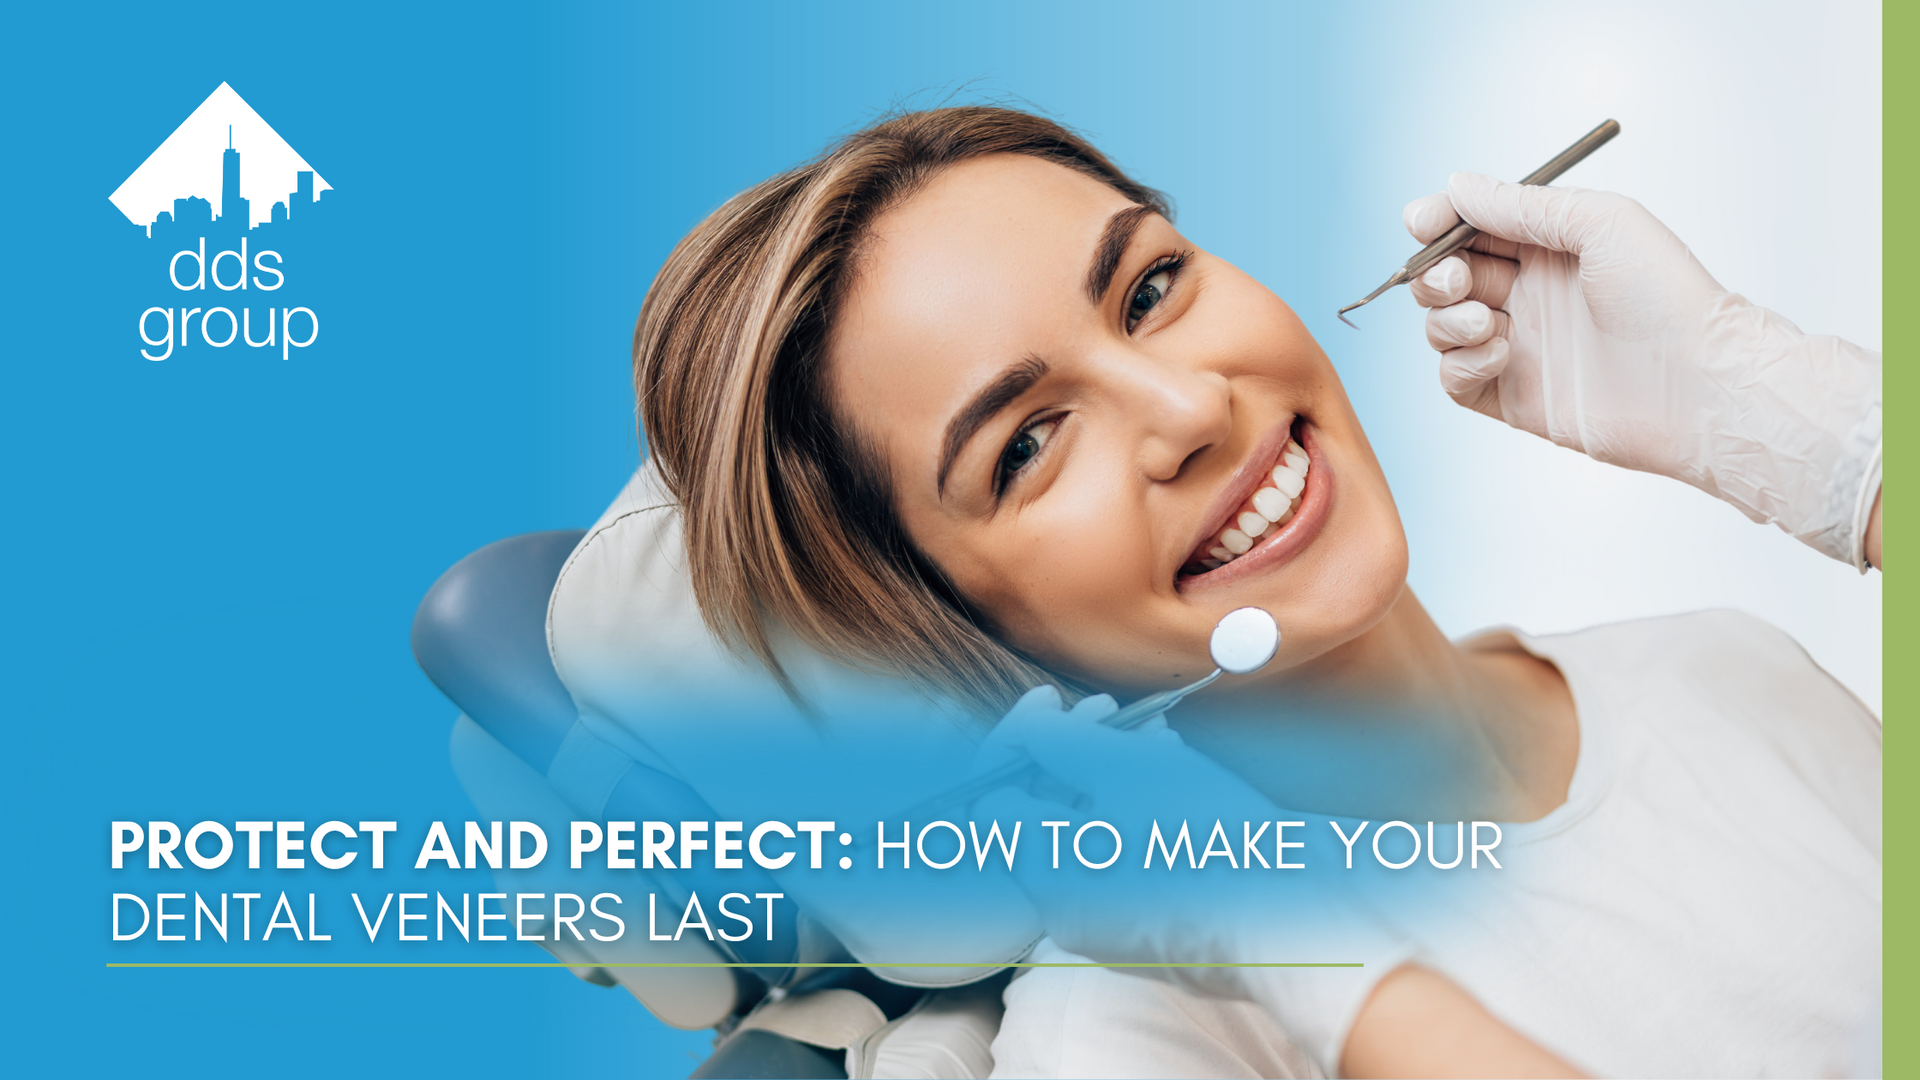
(1579, 317)
(1131, 913)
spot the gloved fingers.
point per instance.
(1429, 217)
(1468, 322)
(1006, 743)
(1016, 804)
(1093, 708)
(1492, 278)
(1098, 763)
(1466, 275)
(1089, 756)
(1562, 219)
(1498, 247)
(1470, 375)
(1445, 282)
(1035, 706)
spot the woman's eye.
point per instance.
(1025, 447)
(1150, 293)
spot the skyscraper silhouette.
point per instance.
(235, 212)
(193, 216)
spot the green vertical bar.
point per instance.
(1900, 232)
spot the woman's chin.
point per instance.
(1352, 595)
(1349, 601)
(1334, 572)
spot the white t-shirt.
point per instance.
(1705, 903)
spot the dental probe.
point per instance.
(1243, 641)
(1458, 236)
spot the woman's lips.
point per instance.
(1301, 518)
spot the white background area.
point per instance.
(1753, 131)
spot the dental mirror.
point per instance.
(1243, 641)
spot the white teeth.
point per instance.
(1272, 503)
(1271, 506)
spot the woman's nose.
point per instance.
(1180, 409)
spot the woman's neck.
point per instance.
(1410, 722)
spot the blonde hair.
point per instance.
(789, 518)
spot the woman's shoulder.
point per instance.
(1710, 667)
(1736, 702)
(1723, 635)
(1697, 643)
(1716, 663)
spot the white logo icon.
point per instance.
(195, 177)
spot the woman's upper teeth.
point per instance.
(1288, 478)
(1273, 504)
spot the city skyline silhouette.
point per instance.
(202, 158)
(192, 216)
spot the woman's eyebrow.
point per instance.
(1113, 244)
(980, 408)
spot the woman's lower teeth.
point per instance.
(1273, 505)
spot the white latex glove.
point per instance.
(1579, 317)
(1127, 914)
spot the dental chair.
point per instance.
(486, 635)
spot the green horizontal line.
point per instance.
(1084, 964)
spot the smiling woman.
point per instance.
(1115, 404)
(957, 402)
(1000, 424)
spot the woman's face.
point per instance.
(1076, 404)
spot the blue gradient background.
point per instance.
(211, 562)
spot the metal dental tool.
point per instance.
(1243, 641)
(1458, 236)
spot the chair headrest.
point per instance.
(628, 641)
(478, 635)
(626, 634)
